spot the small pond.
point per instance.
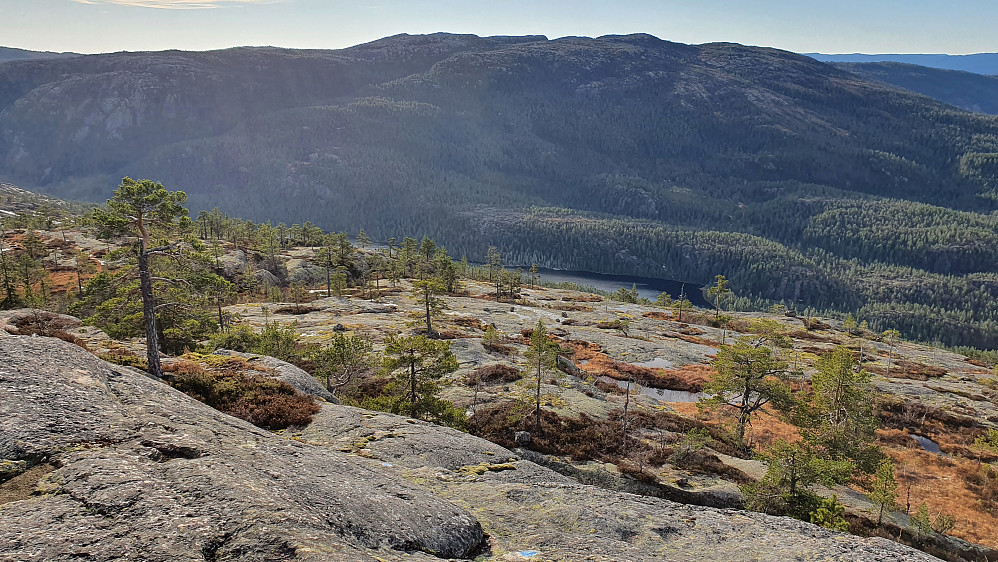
(928, 444)
(660, 394)
(656, 363)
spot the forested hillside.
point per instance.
(800, 181)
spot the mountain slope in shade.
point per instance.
(10, 54)
(973, 92)
(979, 63)
(802, 182)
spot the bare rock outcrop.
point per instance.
(528, 508)
(107, 463)
(141, 471)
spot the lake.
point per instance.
(648, 287)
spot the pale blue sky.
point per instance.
(832, 26)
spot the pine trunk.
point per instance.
(149, 315)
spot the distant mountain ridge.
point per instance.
(973, 92)
(801, 181)
(11, 54)
(978, 63)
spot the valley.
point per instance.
(805, 184)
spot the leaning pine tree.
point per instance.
(145, 211)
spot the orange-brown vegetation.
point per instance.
(225, 385)
(583, 298)
(493, 374)
(656, 315)
(694, 339)
(469, 322)
(805, 335)
(569, 307)
(583, 350)
(586, 438)
(951, 486)
(904, 369)
(896, 438)
(765, 429)
(689, 378)
(499, 348)
(300, 309)
(814, 324)
(44, 323)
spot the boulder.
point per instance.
(266, 278)
(233, 263)
(282, 370)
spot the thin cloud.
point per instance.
(177, 4)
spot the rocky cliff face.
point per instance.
(100, 462)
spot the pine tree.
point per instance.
(884, 490)
(426, 292)
(719, 291)
(362, 240)
(416, 364)
(746, 378)
(343, 359)
(542, 354)
(145, 211)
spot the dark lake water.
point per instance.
(648, 287)
(660, 394)
(927, 444)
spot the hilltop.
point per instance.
(12, 54)
(109, 462)
(575, 485)
(803, 183)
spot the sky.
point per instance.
(830, 26)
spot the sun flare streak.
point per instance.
(178, 4)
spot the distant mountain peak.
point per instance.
(978, 63)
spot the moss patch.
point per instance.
(23, 486)
(482, 468)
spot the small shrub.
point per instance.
(240, 338)
(297, 310)
(830, 514)
(984, 483)
(493, 341)
(694, 441)
(67, 337)
(497, 373)
(124, 358)
(636, 471)
(499, 348)
(468, 322)
(268, 403)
